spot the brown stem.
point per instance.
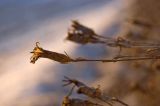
(64, 58)
(116, 60)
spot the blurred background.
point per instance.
(24, 22)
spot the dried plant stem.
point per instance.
(83, 35)
(92, 92)
(67, 101)
(116, 60)
(39, 52)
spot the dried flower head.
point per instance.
(83, 29)
(39, 52)
(81, 34)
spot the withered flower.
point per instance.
(81, 34)
(39, 52)
(83, 29)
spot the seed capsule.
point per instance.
(39, 52)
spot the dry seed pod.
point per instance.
(85, 30)
(81, 28)
(78, 38)
(39, 52)
(81, 34)
(92, 92)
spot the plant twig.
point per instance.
(92, 92)
(39, 52)
(83, 35)
(67, 101)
